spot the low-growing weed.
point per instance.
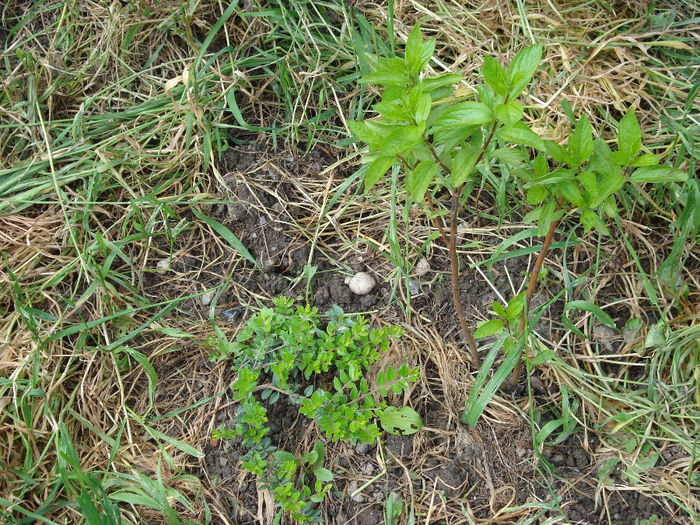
(283, 352)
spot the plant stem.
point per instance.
(515, 377)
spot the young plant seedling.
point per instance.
(443, 143)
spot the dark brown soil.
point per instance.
(450, 469)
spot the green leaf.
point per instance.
(569, 190)
(603, 161)
(629, 137)
(557, 152)
(323, 474)
(418, 180)
(658, 174)
(581, 142)
(648, 159)
(427, 52)
(463, 165)
(488, 328)
(509, 113)
(519, 133)
(607, 185)
(400, 421)
(510, 156)
(588, 219)
(401, 139)
(515, 307)
(522, 69)
(386, 78)
(376, 171)
(536, 195)
(540, 165)
(431, 84)
(227, 234)
(368, 132)
(414, 49)
(494, 75)
(420, 105)
(393, 110)
(587, 306)
(464, 114)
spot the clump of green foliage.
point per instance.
(448, 144)
(283, 352)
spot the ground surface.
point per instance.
(127, 128)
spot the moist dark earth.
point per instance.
(486, 469)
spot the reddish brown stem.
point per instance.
(456, 298)
(530, 290)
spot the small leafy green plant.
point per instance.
(446, 143)
(285, 353)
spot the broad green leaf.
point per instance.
(658, 174)
(603, 160)
(509, 113)
(488, 328)
(589, 181)
(540, 165)
(419, 104)
(648, 159)
(400, 421)
(629, 137)
(557, 152)
(463, 165)
(494, 75)
(414, 49)
(431, 84)
(393, 110)
(546, 217)
(368, 132)
(418, 180)
(323, 474)
(401, 139)
(427, 52)
(509, 156)
(581, 142)
(610, 207)
(522, 69)
(588, 219)
(519, 133)
(515, 307)
(607, 185)
(570, 191)
(386, 78)
(536, 195)
(464, 114)
(376, 171)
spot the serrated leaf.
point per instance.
(581, 142)
(488, 328)
(494, 75)
(418, 180)
(414, 49)
(519, 133)
(515, 307)
(323, 474)
(607, 185)
(368, 132)
(588, 219)
(603, 160)
(404, 421)
(427, 52)
(629, 137)
(540, 165)
(401, 139)
(648, 159)
(464, 114)
(557, 152)
(509, 156)
(498, 309)
(463, 165)
(509, 113)
(393, 110)
(431, 84)
(569, 190)
(536, 195)
(658, 174)
(386, 78)
(522, 69)
(376, 171)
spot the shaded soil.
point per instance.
(447, 469)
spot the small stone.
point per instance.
(413, 287)
(357, 497)
(361, 283)
(422, 267)
(362, 448)
(206, 298)
(163, 266)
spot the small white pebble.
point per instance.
(362, 283)
(163, 266)
(357, 497)
(422, 267)
(413, 287)
(206, 298)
